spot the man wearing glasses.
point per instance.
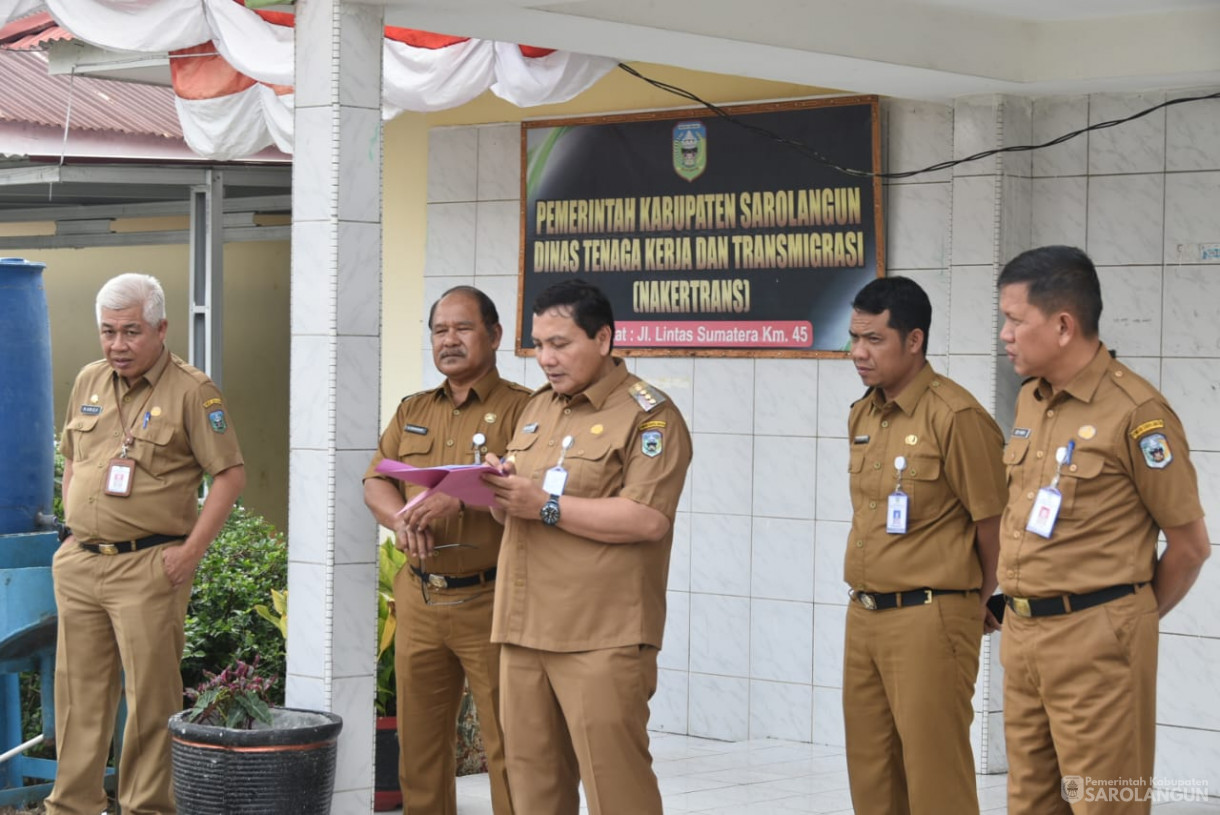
(443, 597)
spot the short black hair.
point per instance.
(906, 301)
(487, 309)
(1060, 278)
(588, 305)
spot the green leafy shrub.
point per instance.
(389, 562)
(247, 560)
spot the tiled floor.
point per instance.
(764, 778)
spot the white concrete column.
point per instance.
(334, 389)
(990, 204)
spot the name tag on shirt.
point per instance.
(896, 513)
(1045, 512)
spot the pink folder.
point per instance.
(462, 481)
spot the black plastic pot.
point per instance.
(287, 768)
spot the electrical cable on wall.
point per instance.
(809, 152)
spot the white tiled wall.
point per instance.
(757, 604)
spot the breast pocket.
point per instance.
(151, 446)
(414, 446)
(594, 469)
(1079, 480)
(85, 437)
(1014, 454)
(519, 450)
(930, 495)
(855, 464)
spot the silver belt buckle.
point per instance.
(867, 601)
(438, 581)
(107, 549)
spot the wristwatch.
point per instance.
(550, 511)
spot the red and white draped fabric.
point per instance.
(232, 67)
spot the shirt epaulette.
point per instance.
(519, 388)
(1135, 386)
(646, 396)
(952, 394)
(190, 370)
(413, 395)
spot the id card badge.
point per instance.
(896, 513)
(1045, 512)
(554, 481)
(118, 477)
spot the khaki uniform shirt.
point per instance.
(953, 479)
(563, 592)
(429, 430)
(1129, 476)
(187, 433)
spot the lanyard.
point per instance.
(128, 439)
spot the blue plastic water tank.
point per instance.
(27, 424)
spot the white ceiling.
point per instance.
(1069, 9)
(930, 49)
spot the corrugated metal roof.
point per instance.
(29, 94)
(29, 33)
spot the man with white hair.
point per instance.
(142, 428)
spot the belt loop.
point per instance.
(1067, 603)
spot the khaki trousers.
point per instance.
(115, 612)
(908, 681)
(435, 648)
(1080, 700)
(572, 718)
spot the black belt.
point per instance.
(122, 547)
(1067, 603)
(900, 599)
(441, 581)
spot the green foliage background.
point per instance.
(247, 560)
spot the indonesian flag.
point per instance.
(233, 67)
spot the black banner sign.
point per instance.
(708, 238)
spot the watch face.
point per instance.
(550, 512)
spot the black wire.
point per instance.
(809, 152)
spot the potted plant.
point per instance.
(234, 753)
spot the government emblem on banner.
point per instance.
(690, 149)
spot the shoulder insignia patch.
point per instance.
(217, 420)
(418, 430)
(1155, 448)
(645, 396)
(651, 443)
(655, 424)
(91, 410)
(1147, 427)
(210, 402)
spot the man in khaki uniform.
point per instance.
(597, 465)
(443, 598)
(1097, 465)
(142, 428)
(927, 490)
